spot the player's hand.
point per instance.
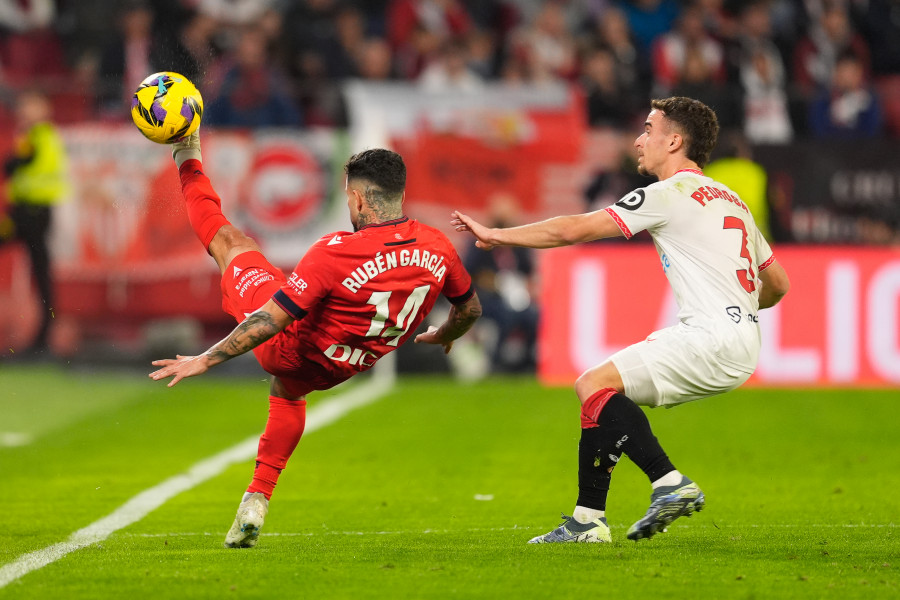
(179, 367)
(462, 222)
(431, 337)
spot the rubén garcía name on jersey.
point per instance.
(358, 296)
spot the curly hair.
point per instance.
(382, 168)
(695, 121)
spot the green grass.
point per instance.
(800, 489)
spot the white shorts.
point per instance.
(677, 365)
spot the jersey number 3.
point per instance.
(404, 319)
(746, 277)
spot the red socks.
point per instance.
(204, 207)
(287, 418)
(590, 410)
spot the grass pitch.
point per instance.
(433, 491)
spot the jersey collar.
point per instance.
(695, 171)
(402, 219)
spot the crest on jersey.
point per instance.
(632, 201)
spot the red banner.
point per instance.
(839, 325)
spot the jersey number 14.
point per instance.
(378, 326)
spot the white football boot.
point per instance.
(251, 515)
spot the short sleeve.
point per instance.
(310, 281)
(638, 210)
(458, 283)
(762, 251)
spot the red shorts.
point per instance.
(250, 281)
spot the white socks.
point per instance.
(586, 515)
(187, 148)
(669, 479)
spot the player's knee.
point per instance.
(598, 378)
(228, 243)
(584, 387)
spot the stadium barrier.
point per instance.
(838, 326)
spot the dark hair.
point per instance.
(696, 122)
(380, 167)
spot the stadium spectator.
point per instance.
(757, 66)
(310, 34)
(849, 107)
(187, 49)
(351, 299)
(688, 41)
(546, 46)
(32, 50)
(125, 59)
(322, 42)
(254, 93)
(504, 283)
(417, 28)
(649, 19)
(38, 181)
(609, 100)
(449, 71)
(830, 36)
(698, 80)
(234, 13)
(722, 272)
(373, 61)
(632, 66)
(881, 26)
(494, 21)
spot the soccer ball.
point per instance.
(166, 107)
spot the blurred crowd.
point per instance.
(773, 69)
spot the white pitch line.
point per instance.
(520, 528)
(12, 439)
(150, 499)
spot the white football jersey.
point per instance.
(710, 248)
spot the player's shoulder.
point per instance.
(333, 239)
(421, 227)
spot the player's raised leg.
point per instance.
(221, 239)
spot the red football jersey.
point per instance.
(358, 296)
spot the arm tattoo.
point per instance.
(250, 333)
(460, 319)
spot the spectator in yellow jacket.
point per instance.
(37, 181)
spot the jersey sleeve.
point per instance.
(763, 252)
(458, 284)
(310, 281)
(639, 210)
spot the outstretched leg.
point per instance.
(284, 428)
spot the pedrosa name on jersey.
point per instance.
(385, 262)
(708, 192)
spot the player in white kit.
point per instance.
(722, 272)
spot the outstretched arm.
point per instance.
(261, 325)
(460, 320)
(552, 233)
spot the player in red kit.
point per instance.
(354, 297)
